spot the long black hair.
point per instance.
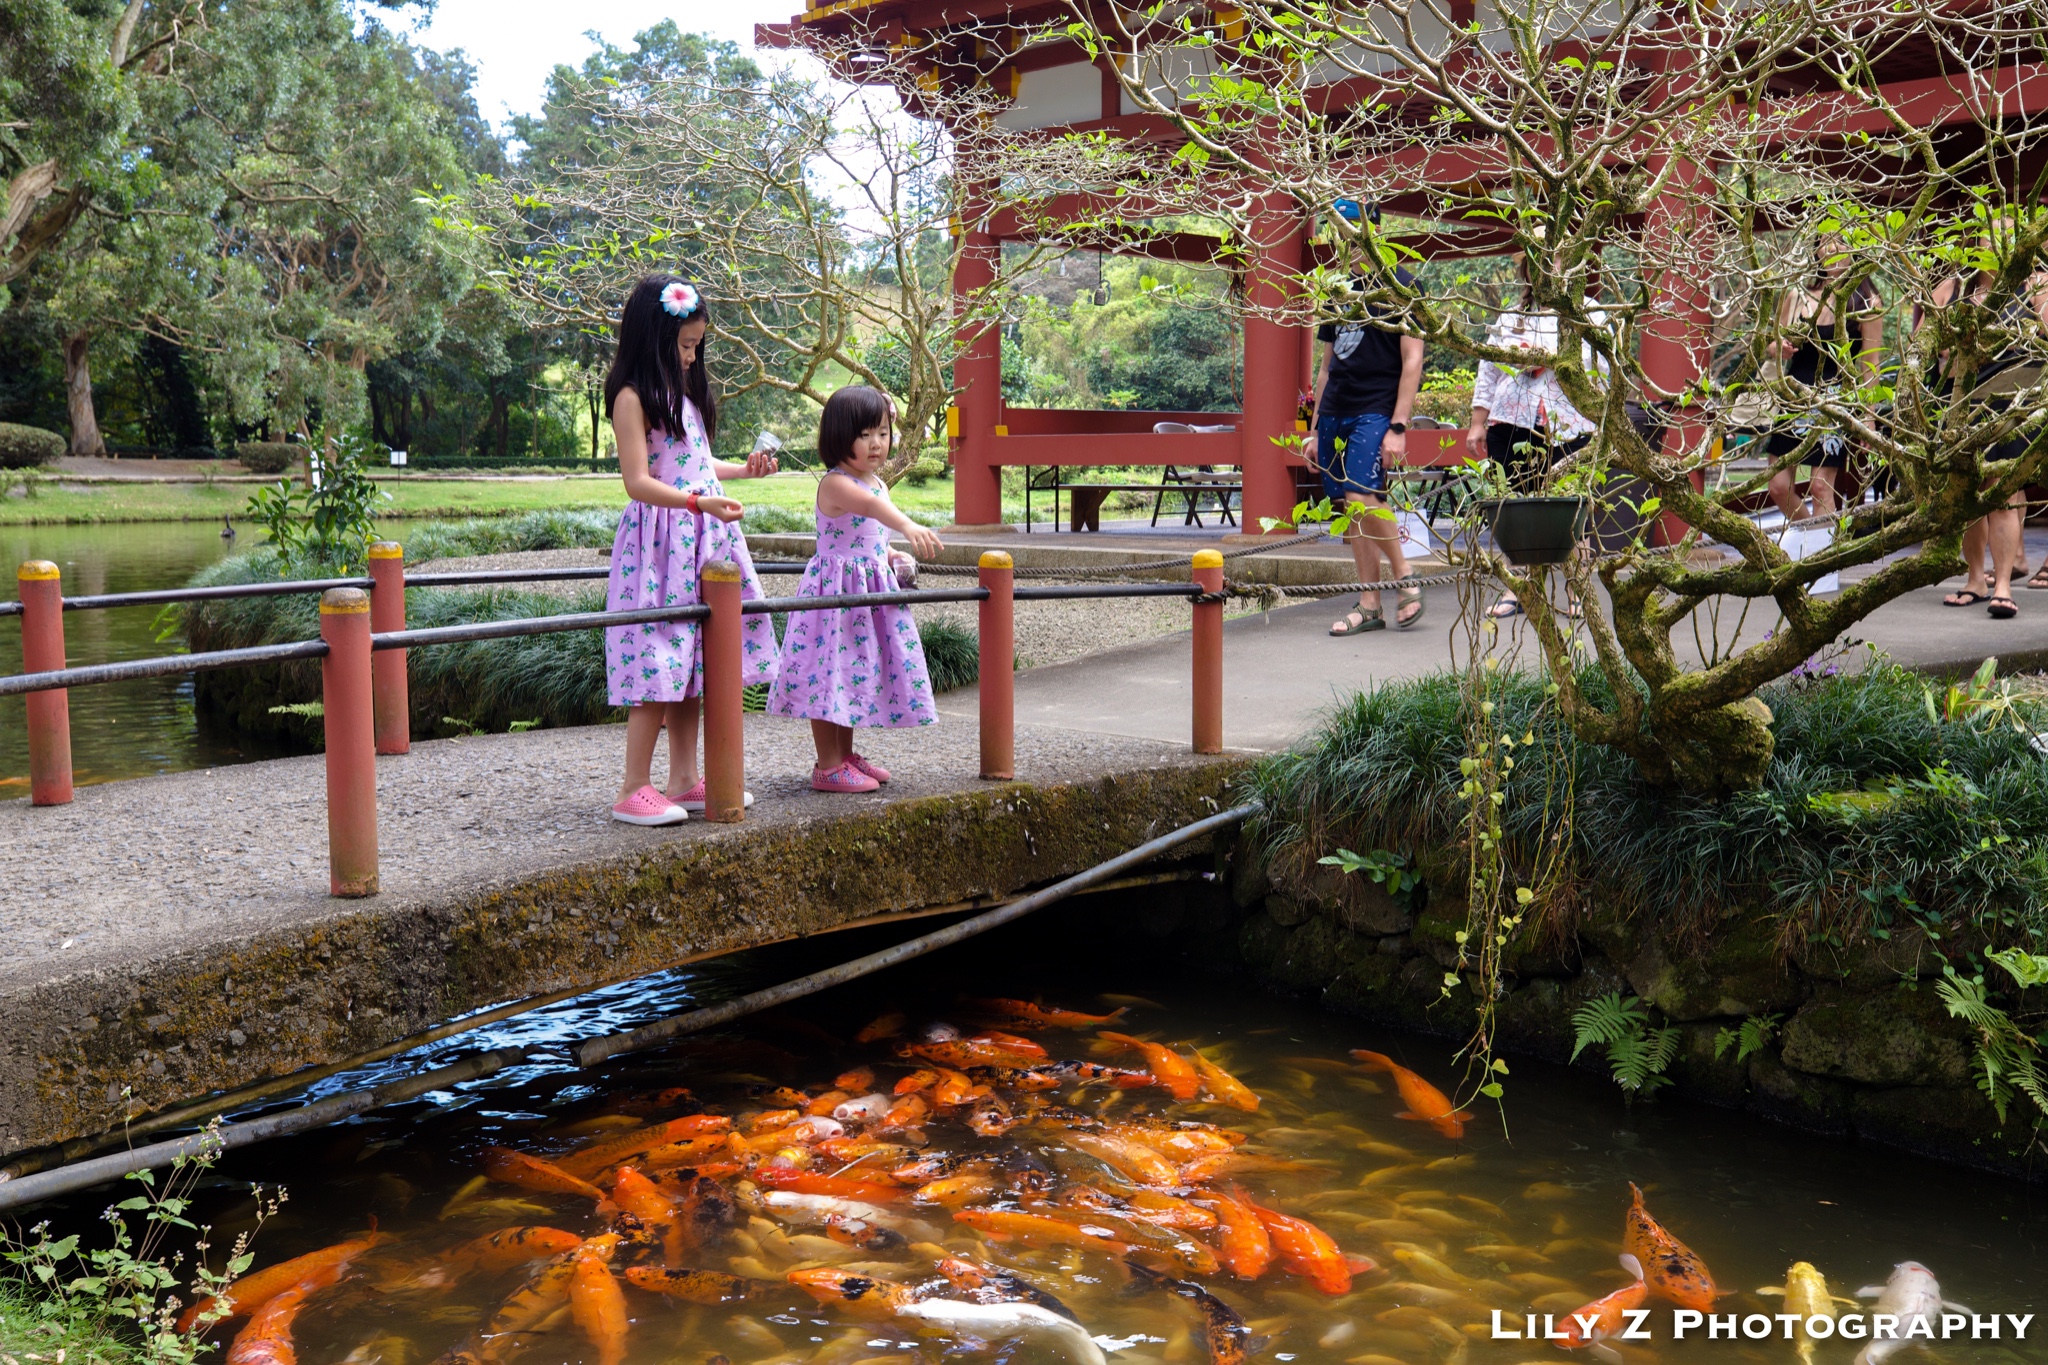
(849, 412)
(648, 362)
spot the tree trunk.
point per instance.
(1711, 754)
(85, 422)
(501, 424)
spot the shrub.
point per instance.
(586, 530)
(268, 457)
(26, 447)
(1874, 812)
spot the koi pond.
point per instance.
(940, 1163)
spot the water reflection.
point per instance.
(118, 730)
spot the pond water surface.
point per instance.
(128, 729)
(1523, 1220)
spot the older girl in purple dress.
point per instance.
(856, 666)
(664, 416)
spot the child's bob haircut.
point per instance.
(849, 412)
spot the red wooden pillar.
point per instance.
(977, 383)
(725, 735)
(388, 684)
(1208, 655)
(1272, 367)
(49, 713)
(998, 667)
(350, 725)
(1678, 340)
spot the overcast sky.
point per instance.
(515, 43)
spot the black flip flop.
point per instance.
(2003, 608)
(1970, 598)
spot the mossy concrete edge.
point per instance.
(85, 1052)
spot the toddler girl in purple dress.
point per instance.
(855, 666)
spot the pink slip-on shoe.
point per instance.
(649, 807)
(844, 778)
(874, 770)
(693, 799)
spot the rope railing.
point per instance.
(365, 700)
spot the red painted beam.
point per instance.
(1106, 422)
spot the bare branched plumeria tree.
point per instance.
(1741, 170)
(821, 213)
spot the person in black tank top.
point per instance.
(1811, 347)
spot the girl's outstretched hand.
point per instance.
(761, 463)
(725, 509)
(924, 541)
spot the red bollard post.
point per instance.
(390, 698)
(49, 713)
(351, 743)
(725, 735)
(1208, 633)
(998, 666)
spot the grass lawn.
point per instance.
(57, 503)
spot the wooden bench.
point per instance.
(1085, 499)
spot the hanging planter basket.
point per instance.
(1537, 530)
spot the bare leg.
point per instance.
(643, 727)
(1974, 578)
(1383, 540)
(1784, 492)
(1364, 558)
(682, 745)
(2005, 549)
(1824, 490)
(835, 743)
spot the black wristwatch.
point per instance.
(1397, 428)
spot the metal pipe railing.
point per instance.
(224, 592)
(363, 687)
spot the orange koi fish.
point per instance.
(257, 1288)
(1224, 1088)
(858, 1081)
(267, 1340)
(1147, 1241)
(938, 1166)
(955, 1089)
(1243, 1244)
(531, 1173)
(599, 1306)
(1670, 1268)
(1177, 1141)
(692, 1153)
(588, 1161)
(1126, 1157)
(643, 1199)
(1038, 1230)
(861, 1295)
(867, 1236)
(883, 1026)
(839, 1186)
(990, 1117)
(706, 1207)
(1426, 1103)
(1170, 1070)
(1202, 1170)
(539, 1297)
(1144, 1206)
(1028, 1015)
(1310, 1252)
(953, 1192)
(962, 1053)
(508, 1248)
(916, 1082)
(708, 1287)
(1017, 1077)
(1605, 1317)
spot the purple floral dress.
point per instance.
(656, 558)
(860, 665)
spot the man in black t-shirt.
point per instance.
(1365, 390)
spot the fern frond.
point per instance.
(1606, 1019)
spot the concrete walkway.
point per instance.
(1281, 669)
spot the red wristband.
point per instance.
(690, 503)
